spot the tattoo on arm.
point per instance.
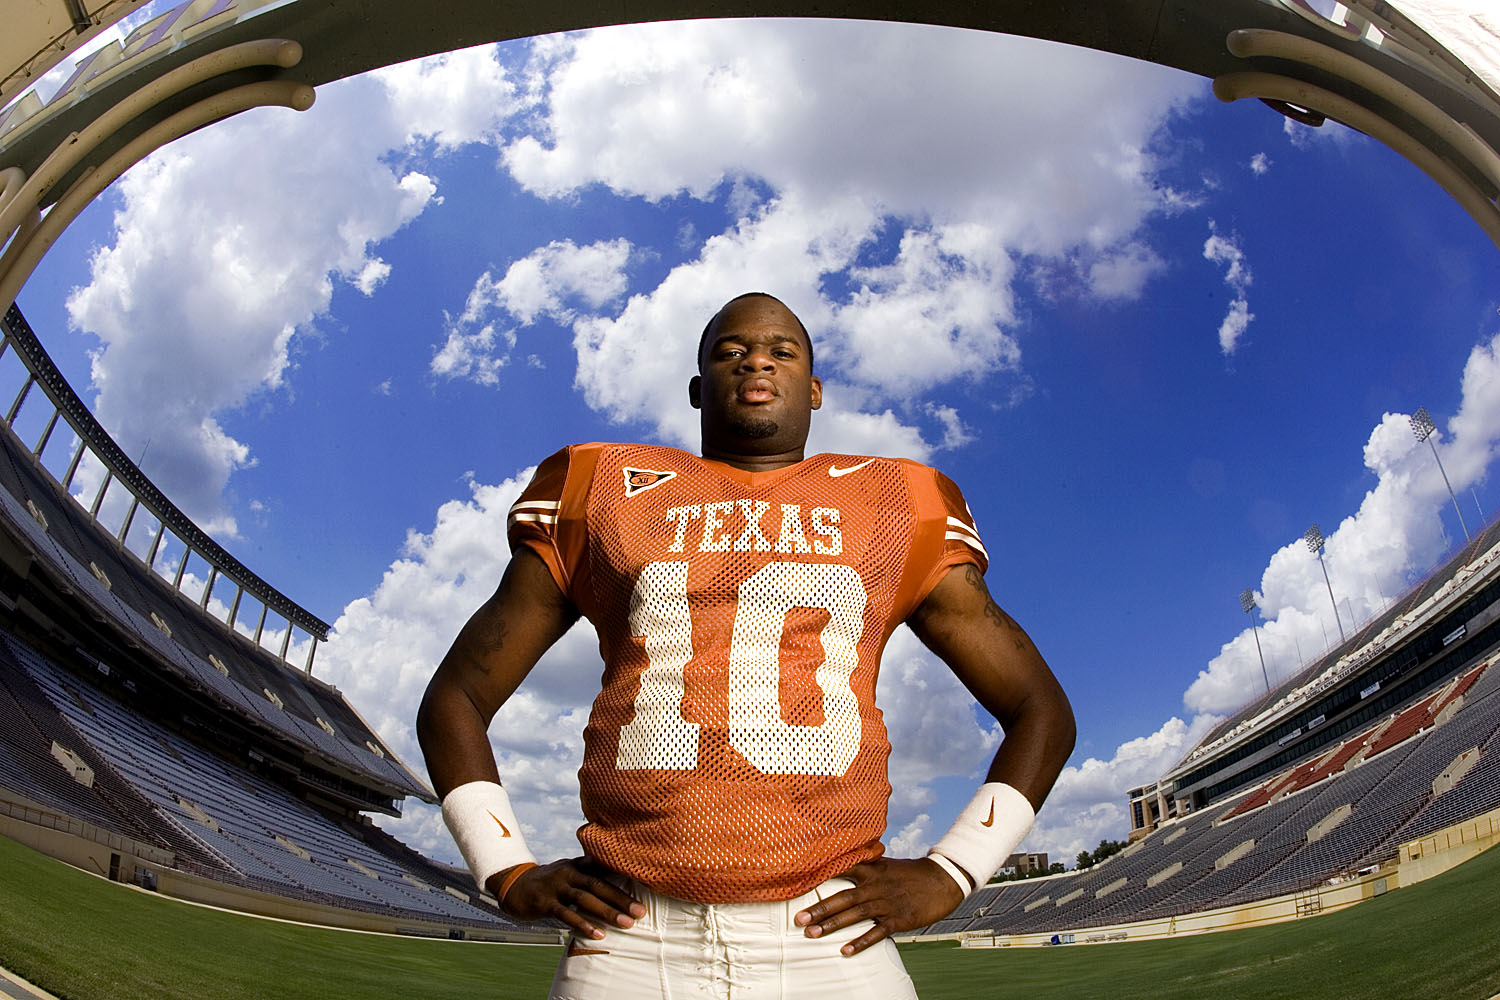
(992, 610)
(490, 638)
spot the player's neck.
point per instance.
(753, 463)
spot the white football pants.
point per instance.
(728, 951)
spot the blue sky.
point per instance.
(1153, 337)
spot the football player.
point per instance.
(734, 781)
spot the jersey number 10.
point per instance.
(659, 737)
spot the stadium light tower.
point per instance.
(1314, 540)
(1422, 426)
(1247, 604)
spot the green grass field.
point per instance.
(85, 939)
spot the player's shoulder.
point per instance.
(591, 452)
(931, 472)
(625, 449)
(574, 470)
(930, 486)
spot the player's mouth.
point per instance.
(756, 390)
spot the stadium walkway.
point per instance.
(13, 987)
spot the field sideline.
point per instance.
(85, 939)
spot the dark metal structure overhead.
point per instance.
(1380, 72)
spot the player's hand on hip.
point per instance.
(575, 891)
(898, 894)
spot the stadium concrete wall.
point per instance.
(1416, 861)
(1421, 859)
(205, 891)
(75, 842)
(111, 856)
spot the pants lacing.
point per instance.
(724, 962)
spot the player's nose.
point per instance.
(758, 359)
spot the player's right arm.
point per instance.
(492, 655)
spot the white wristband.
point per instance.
(479, 816)
(987, 831)
(954, 872)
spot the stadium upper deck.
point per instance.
(114, 605)
(1420, 641)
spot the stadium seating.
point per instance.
(71, 543)
(231, 818)
(1389, 799)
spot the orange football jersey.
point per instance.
(735, 753)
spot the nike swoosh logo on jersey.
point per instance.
(504, 832)
(835, 471)
(991, 820)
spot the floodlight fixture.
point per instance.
(1247, 604)
(1421, 424)
(1314, 540)
(1423, 427)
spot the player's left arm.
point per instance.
(999, 664)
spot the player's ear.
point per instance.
(695, 392)
(817, 393)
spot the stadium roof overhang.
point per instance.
(1375, 69)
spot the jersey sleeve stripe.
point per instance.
(971, 540)
(533, 511)
(954, 524)
(534, 505)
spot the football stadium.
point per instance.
(173, 771)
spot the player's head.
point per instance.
(713, 320)
(755, 385)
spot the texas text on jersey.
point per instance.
(735, 753)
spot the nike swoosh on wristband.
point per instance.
(505, 831)
(991, 820)
(835, 472)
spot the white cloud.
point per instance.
(934, 728)
(384, 647)
(229, 243)
(551, 282)
(1122, 273)
(1309, 136)
(819, 159)
(1088, 803)
(477, 355)
(539, 284)
(941, 306)
(451, 99)
(955, 433)
(1234, 324)
(913, 839)
(635, 366)
(1226, 250)
(1259, 164)
(924, 122)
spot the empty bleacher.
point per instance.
(1375, 790)
(222, 821)
(70, 545)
